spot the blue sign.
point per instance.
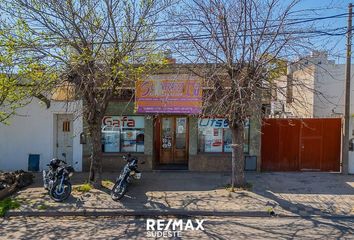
(213, 122)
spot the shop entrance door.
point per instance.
(173, 140)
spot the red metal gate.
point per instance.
(301, 144)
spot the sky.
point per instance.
(335, 45)
(333, 30)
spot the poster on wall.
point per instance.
(129, 141)
(213, 140)
(168, 96)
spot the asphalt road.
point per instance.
(214, 228)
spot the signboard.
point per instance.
(216, 123)
(168, 96)
(213, 123)
(123, 122)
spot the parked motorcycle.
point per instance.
(130, 171)
(57, 179)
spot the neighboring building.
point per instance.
(36, 134)
(315, 89)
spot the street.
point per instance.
(214, 228)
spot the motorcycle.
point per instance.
(57, 179)
(130, 171)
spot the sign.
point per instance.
(213, 122)
(123, 121)
(168, 96)
(216, 123)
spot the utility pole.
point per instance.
(345, 142)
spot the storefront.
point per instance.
(169, 141)
(164, 128)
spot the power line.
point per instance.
(183, 37)
(163, 23)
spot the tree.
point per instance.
(98, 46)
(240, 41)
(19, 83)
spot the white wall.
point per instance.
(32, 132)
(330, 83)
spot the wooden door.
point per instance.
(64, 143)
(173, 142)
(180, 153)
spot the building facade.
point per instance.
(164, 127)
(36, 134)
(165, 133)
(170, 141)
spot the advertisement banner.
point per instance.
(168, 96)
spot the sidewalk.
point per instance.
(190, 193)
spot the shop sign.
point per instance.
(123, 121)
(216, 123)
(168, 96)
(213, 122)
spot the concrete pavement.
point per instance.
(190, 193)
(214, 228)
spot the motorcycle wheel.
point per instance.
(58, 194)
(118, 190)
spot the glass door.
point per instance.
(166, 145)
(180, 147)
(173, 141)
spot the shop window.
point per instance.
(123, 134)
(214, 135)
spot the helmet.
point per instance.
(55, 162)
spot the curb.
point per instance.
(146, 213)
(176, 213)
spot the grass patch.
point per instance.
(83, 188)
(107, 183)
(8, 204)
(42, 207)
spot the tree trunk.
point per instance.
(96, 155)
(238, 175)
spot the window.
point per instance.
(123, 134)
(214, 135)
(66, 126)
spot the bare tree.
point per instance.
(242, 42)
(97, 46)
